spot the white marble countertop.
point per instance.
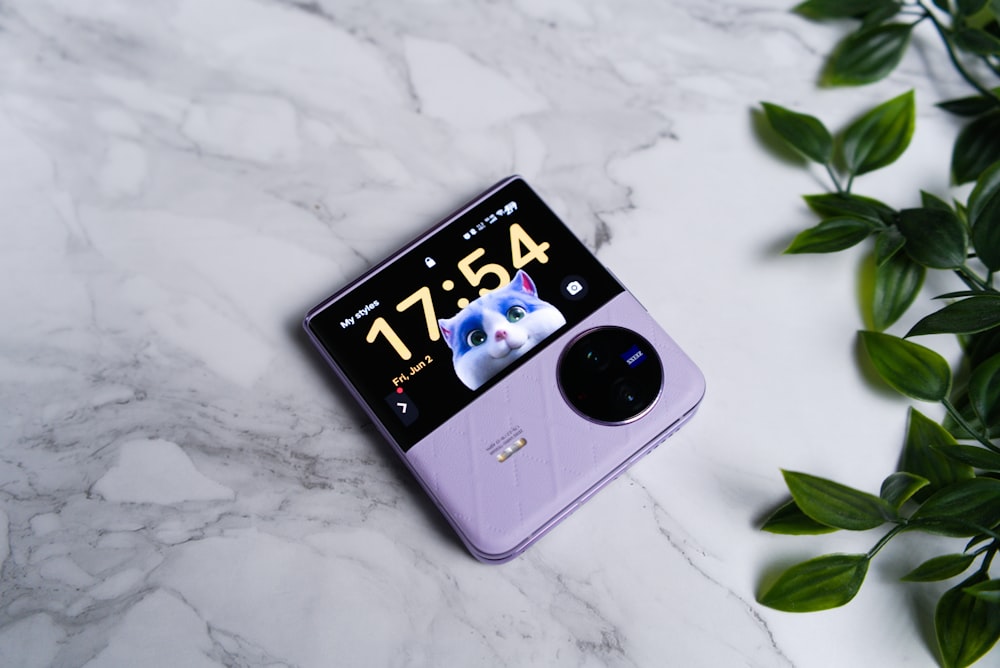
(182, 483)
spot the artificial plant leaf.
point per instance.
(867, 55)
(832, 205)
(880, 15)
(897, 282)
(837, 505)
(988, 591)
(976, 41)
(974, 456)
(980, 347)
(887, 244)
(935, 238)
(940, 568)
(974, 105)
(962, 508)
(822, 583)
(976, 148)
(789, 519)
(806, 134)
(912, 369)
(900, 486)
(967, 316)
(984, 391)
(966, 626)
(842, 9)
(962, 406)
(930, 201)
(969, 7)
(923, 454)
(984, 217)
(880, 136)
(831, 235)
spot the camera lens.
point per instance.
(595, 358)
(610, 375)
(626, 394)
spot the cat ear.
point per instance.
(446, 330)
(524, 283)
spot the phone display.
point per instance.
(493, 348)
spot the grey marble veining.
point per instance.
(181, 481)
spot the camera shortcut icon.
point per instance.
(574, 287)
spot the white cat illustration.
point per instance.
(496, 329)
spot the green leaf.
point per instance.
(837, 505)
(822, 583)
(976, 148)
(897, 283)
(888, 243)
(940, 568)
(831, 235)
(899, 487)
(935, 238)
(988, 591)
(973, 456)
(984, 217)
(930, 201)
(976, 41)
(968, 316)
(912, 369)
(969, 7)
(804, 133)
(984, 391)
(842, 9)
(962, 507)
(866, 56)
(789, 519)
(964, 409)
(926, 449)
(967, 627)
(880, 136)
(974, 105)
(923, 454)
(832, 205)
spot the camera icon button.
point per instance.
(574, 287)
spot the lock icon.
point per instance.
(429, 261)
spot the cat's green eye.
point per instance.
(515, 313)
(476, 338)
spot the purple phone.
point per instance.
(510, 370)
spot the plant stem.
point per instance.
(885, 539)
(953, 412)
(991, 552)
(833, 177)
(943, 33)
(973, 280)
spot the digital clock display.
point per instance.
(433, 327)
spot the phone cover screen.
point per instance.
(437, 325)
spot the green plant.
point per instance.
(948, 482)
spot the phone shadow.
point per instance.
(413, 495)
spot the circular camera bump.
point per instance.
(610, 375)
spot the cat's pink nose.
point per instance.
(501, 335)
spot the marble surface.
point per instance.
(182, 483)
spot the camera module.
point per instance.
(610, 375)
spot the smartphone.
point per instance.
(509, 369)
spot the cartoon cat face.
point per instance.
(496, 329)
